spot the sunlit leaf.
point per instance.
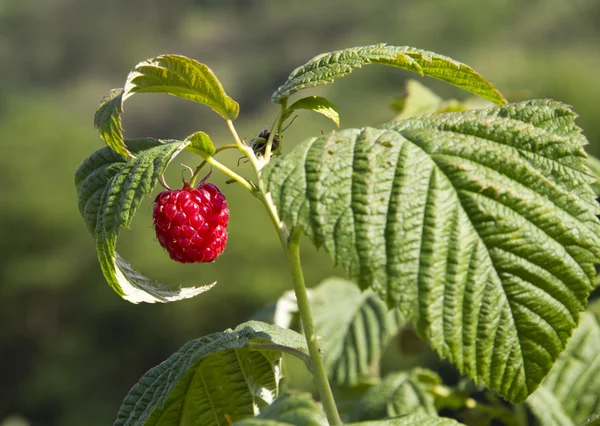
(481, 225)
(327, 67)
(201, 144)
(184, 77)
(316, 104)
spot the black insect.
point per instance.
(259, 143)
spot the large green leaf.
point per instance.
(355, 328)
(184, 77)
(110, 188)
(325, 68)
(572, 389)
(296, 409)
(399, 394)
(172, 74)
(210, 381)
(479, 224)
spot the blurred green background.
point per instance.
(70, 348)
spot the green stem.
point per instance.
(318, 368)
(291, 246)
(275, 130)
(230, 173)
(197, 171)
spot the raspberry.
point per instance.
(191, 223)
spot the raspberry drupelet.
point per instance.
(191, 223)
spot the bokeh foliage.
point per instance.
(69, 347)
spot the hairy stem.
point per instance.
(318, 368)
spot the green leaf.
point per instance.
(201, 144)
(296, 409)
(594, 165)
(399, 394)
(572, 389)
(593, 420)
(548, 409)
(316, 104)
(479, 224)
(108, 121)
(209, 381)
(183, 77)
(417, 419)
(110, 188)
(325, 68)
(355, 327)
(419, 100)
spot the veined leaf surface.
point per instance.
(325, 68)
(571, 392)
(316, 104)
(184, 77)
(211, 381)
(110, 188)
(399, 393)
(108, 121)
(172, 74)
(355, 327)
(481, 225)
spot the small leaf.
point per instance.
(316, 104)
(474, 223)
(108, 121)
(325, 68)
(209, 381)
(201, 144)
(183, 77)
(297, 409)
(419, 100)
(417, 419)
(398, 394)
(572, 389)
(110, 188)
(355, 327)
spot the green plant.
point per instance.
(478, 226)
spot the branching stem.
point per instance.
(291, 246)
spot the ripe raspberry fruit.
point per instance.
(191, 223)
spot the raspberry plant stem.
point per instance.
(291, 246)
(275, 130)
(318, 368)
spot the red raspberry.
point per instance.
(190, 223)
